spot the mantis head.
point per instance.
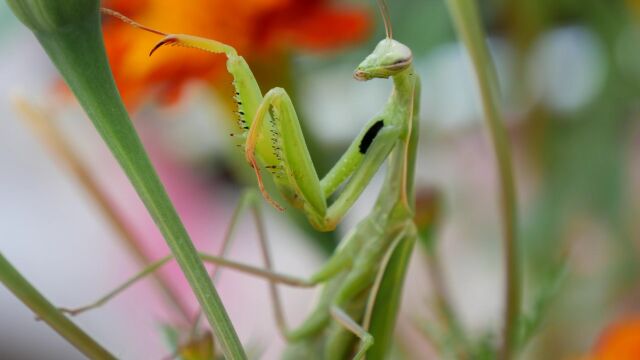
(389, 58)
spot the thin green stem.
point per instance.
(24, 291)
(45, 128)
(245, 200)
(467, 21)
(446, 312)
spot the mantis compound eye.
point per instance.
(399, 64)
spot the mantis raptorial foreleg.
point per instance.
(274, 138)
(358, 270)
(359, 163)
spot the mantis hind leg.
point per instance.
(250, 199)
(360, 286)
(366, 339)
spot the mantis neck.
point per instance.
(397, 195)
(403, 84)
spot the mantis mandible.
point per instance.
(273, 139)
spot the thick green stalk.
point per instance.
(48, 133)
(467, 21)
(24, 291)
(70, 33)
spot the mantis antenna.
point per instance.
(385, 18)
(126, 20)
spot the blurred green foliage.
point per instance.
(579, 160)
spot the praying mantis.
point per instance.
(338, 327)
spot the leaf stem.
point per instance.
(49, 134)
(445, 310)
(24, 291)
(70, 32)
(467, 22)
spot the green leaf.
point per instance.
(70, 33)
(24, 291)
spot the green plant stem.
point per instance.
(71, 34)
(46, 130)
(445, 311)
(467, 21)
(24, 291)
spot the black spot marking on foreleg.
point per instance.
(371, 134)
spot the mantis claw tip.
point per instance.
(166, 41)
(71, 312)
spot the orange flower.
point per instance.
(256, 28)
(620, 341)
(635, 6)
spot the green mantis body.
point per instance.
(352, 277)
(273, 136)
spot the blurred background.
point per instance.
(569, 74)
